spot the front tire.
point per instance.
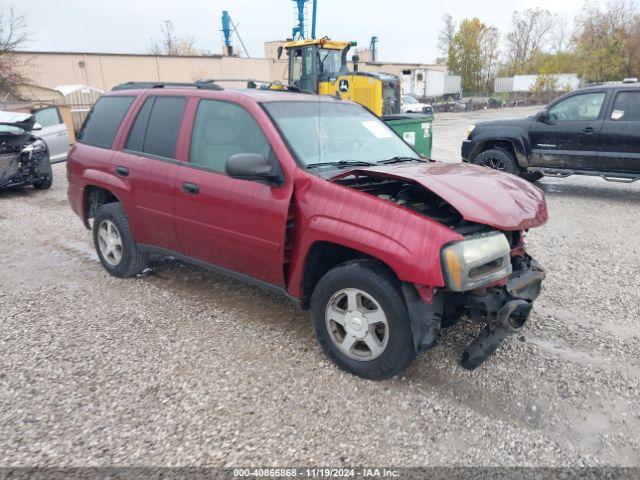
(43, 183)
(361, 320)
(499, 160)
(114, 242)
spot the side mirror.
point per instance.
(355, 59)
(253, 166)
(543, 117)
(36, 126)
(280, 50)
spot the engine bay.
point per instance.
(409, 195)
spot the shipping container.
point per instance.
(503, 85)
(525, 83)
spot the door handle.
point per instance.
(590, 130)
(122, 171)
(190, 188)
(62, 134)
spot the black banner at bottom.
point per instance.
(431, 473)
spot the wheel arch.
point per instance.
(95, 197)
(514, 147)
(322, 256)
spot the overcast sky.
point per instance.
(407, 29)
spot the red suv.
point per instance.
(317, 199)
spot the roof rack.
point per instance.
(204, 85)
(263, 85)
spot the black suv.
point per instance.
(593, 131)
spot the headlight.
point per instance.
(475, 262)
(39, 146)
(470, 130)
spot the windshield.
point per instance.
(10, 129)
(320, 132)
(408, 99)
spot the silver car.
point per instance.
(54, 133)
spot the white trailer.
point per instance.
(424, 83)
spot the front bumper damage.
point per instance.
(503, 308)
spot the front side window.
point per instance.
(48, 117)
(221, 130)
(102, 124)
(409, 100)
(155, 130)
(583, 107)
(626, 107)
(325, 131)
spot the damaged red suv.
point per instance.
(317, 199)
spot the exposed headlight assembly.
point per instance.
(477, 261)
(39, 146)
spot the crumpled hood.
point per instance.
(479, 194)
(25, 121)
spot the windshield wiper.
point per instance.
(343, 164)
(399, 160)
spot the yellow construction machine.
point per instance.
(321, 66)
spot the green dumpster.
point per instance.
(414, 128)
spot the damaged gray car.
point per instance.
(24, 158)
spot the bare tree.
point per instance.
(531, 33)
(169, 44)
(490, 45)
(561, 35)
(446, 35)
(13, 36)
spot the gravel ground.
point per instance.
(190, 368)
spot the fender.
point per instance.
(517, 137)
(407, 242)
(100, 179)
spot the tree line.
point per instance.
(601, 44)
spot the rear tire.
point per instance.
(500, 160)
(114, 242)
(361, 320)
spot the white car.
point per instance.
(411, 105)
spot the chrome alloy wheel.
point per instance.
(357, 324)
(110, 242)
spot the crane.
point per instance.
(227, 28)
(374, 48)
(300, 29)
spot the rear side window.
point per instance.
(626, 107)
(136, 136)
(155, 130)
(222, 130)
(102, 124)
